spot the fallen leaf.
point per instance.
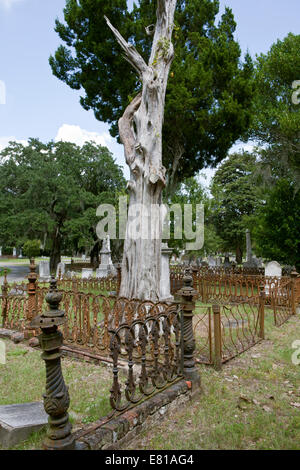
(244, 398)
(296, 405)
(267, 409)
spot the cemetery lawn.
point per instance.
(22, 380)
(253, 403)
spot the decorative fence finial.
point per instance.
(56, 398)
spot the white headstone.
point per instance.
(60, 267)
(44, 269)
(165, 288)
(87, 273)
(14, 251)
(273, 269)
(21, 254)
(0, 250)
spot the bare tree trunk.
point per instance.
(141, 134)
(239, 254)
(55, 254)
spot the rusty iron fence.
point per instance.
(219, 270)
(223, 331)
(220, 334)
(146, 357)
(221, 286)
(282, 301)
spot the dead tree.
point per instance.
(140, 131)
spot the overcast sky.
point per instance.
(37, 104)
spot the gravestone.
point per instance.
(165, 288)
(14, 251)
(17, 422)
(218, 262)
(227, 263)
(211, 261)
(44, 269)
(83, 257)
(0, 250)
(106, 267)
(21, 254)
(87, 273)
(251, 260)
(61, 267)
(272, 269)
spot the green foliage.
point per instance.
(51, 192)
(276, 118)
(236, 199)
(192, 192)
(277, 231)
(208, 85)
(31, 248)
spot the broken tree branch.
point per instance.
(127, 136)
(131, 54)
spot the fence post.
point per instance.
(4, 291)
(195, 279)
(187, 308)
(56, 398)
(31, 304)
(217, 337)
(261, 312)
(119, 278)
(294, 276)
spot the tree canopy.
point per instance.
(277, 232)
(235, 199)
(51, 191)
(276, 120)
(208, 84)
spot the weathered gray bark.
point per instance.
(141, 134)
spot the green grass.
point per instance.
(22, 380)
(248, 405)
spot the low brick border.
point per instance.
(121, 430)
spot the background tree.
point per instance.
(32, 248)
(276, 120)
(51, 191)
(208, 85)
(193, 192)
(235, 199)
(277, 231)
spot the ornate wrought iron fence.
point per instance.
(240, 328)
(223, 331)
(203, 333)
(282, 302)
(150, 352)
